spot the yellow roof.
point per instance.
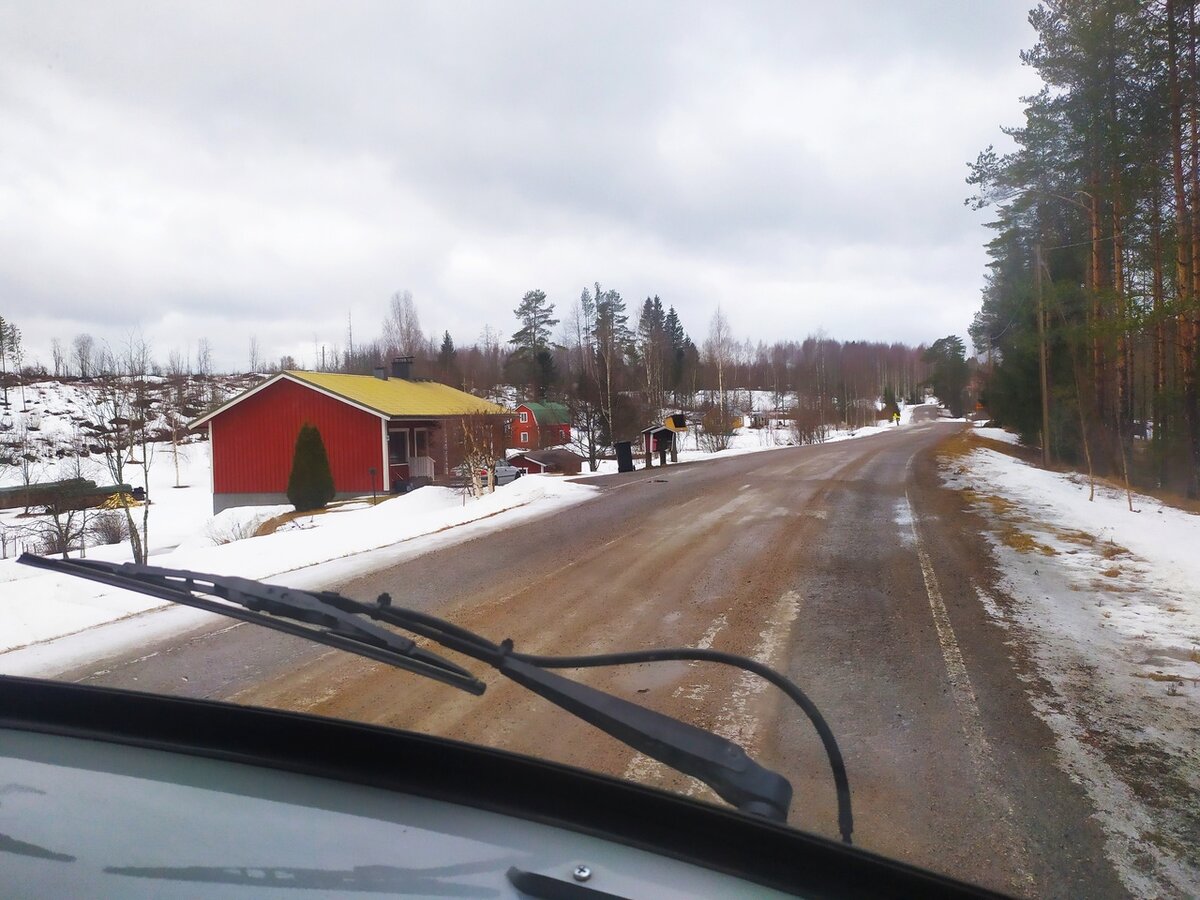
(399, 397)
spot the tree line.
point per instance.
(1089, 318)
(619, 366)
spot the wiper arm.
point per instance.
(341, 622)
(719, 763)
(273, 606)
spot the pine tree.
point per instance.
(652, 348)
(614, 340)
(535, 314)
(948, 371)
(532, 363)
(10, 349)
(310, 485)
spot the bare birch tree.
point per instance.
(82, 349)
(479, 441)
(720, 351)
(120, 413)
(59, 355)
(401, 327)
(254, 359)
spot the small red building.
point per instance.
(555, 461)
(381, 433)
(541, 425)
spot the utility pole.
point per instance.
(1042, 365)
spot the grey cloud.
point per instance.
(284, 162)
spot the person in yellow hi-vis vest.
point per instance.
(896, 418)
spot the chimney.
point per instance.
(402, 367)
(381, 373)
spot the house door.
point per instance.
(398, 457)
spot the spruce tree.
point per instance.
(310, 486)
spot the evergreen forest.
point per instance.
(1088, 328)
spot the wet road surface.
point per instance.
(845, 565)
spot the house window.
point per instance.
(524, 437)
(397, 447)
(524, 417)
(421, 442)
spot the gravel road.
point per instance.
(845, 565)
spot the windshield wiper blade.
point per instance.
(719, 763)
(272, 606)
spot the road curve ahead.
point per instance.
(844, 565)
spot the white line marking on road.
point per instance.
(965, 699)
(706, 639)
(643, 768)
(956, 668)
(100, 673)
(734, 722)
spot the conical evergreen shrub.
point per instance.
(310, 486)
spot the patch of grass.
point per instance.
(958, 446)
(998, 505)
(1023, 542)
(273, 523)
(1111, 550)
(1013, 450)
(1073, 536)
(1112, 572)
(1163, 676)
(1165, 497)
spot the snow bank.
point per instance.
(36, 606)
(1104, 600)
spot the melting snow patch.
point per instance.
(1104, 601)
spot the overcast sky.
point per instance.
(223, 170)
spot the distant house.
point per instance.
(383, 433)
(555, 461)
(539, 425)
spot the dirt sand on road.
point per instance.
(653, 586)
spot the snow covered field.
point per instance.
(1104, 603)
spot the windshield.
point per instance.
(608, 329)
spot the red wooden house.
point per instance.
(541, 425)
(381, 433)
